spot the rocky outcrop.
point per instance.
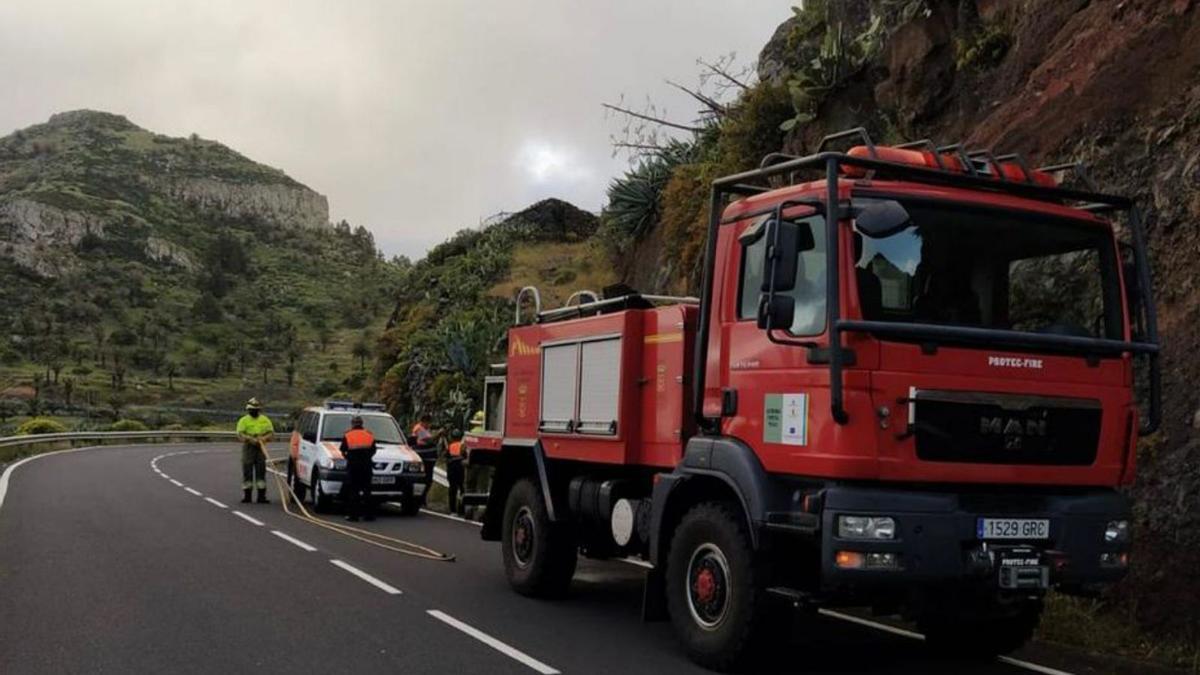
(39, 237)
(282, 204)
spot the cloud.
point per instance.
(416, 118)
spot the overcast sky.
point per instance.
(416, 118)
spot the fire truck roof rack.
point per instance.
(618, 303)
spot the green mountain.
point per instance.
(137, 268)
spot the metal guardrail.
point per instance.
(89, 436)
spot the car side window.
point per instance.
(309, 427)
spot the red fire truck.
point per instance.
(912, 382)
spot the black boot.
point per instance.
(262, 496)
(246, 496)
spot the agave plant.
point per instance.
(633, 199)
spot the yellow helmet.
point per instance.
(477, 418)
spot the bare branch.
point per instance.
(650, 118)
(714, 107)
(720, 68)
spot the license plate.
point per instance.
(1013, 528)
(383, 480)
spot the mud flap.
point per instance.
(654, 596)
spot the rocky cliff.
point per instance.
(87, 174)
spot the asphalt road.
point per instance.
(108, 565)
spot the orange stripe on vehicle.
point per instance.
(662, 338)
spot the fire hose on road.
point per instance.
(286, 495)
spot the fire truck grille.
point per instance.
(1005, 429)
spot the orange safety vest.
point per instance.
(456, 449)
(359, 439)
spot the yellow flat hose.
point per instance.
(383, 541)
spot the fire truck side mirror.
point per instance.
(776, 311)
(786, 240)
(882, 218)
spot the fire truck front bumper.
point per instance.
(1018, 541)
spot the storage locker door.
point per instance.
(599, 386)
(560, 379)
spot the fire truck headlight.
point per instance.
(1116, 532)
(866, 527)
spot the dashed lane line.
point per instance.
(214, 502)
(294, 541)
(503, 648)
(248, 519)
(194, 491)
(176, 483)
(381, 585)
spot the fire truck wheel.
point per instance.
(980, 630)
(539, 556)
(713, 593)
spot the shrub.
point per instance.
(40, 425)
(128, 425)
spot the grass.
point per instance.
(557, 269)
(1092, 626)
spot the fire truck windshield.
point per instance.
(992, 269)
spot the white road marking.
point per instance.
(447, 516)
(292, 540)
(1045, 670)
(176, 483)
(194, 491)
(248, 519)
(492, 642)
(386, 588)
(872, 624)
(214, 502)
(11, 467)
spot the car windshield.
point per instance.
(382, 427)
(988, 269)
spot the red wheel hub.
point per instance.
(705, 586)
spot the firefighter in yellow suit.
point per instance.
(254, 429)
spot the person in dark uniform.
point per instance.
(358, 447)
(454, 471)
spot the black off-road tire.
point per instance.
(294, 482)
(411, 506)
(980, 631)
(539, 556)
(717, 635)
(321, 502)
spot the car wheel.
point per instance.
(296, 484)
(321, 501)
(411, 506)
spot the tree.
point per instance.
(361, 350)
(171, 368)
(68, 388)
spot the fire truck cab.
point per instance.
(908, 384)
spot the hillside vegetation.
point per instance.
(142, 270)
(457, 302)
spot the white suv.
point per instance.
(316, 466)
